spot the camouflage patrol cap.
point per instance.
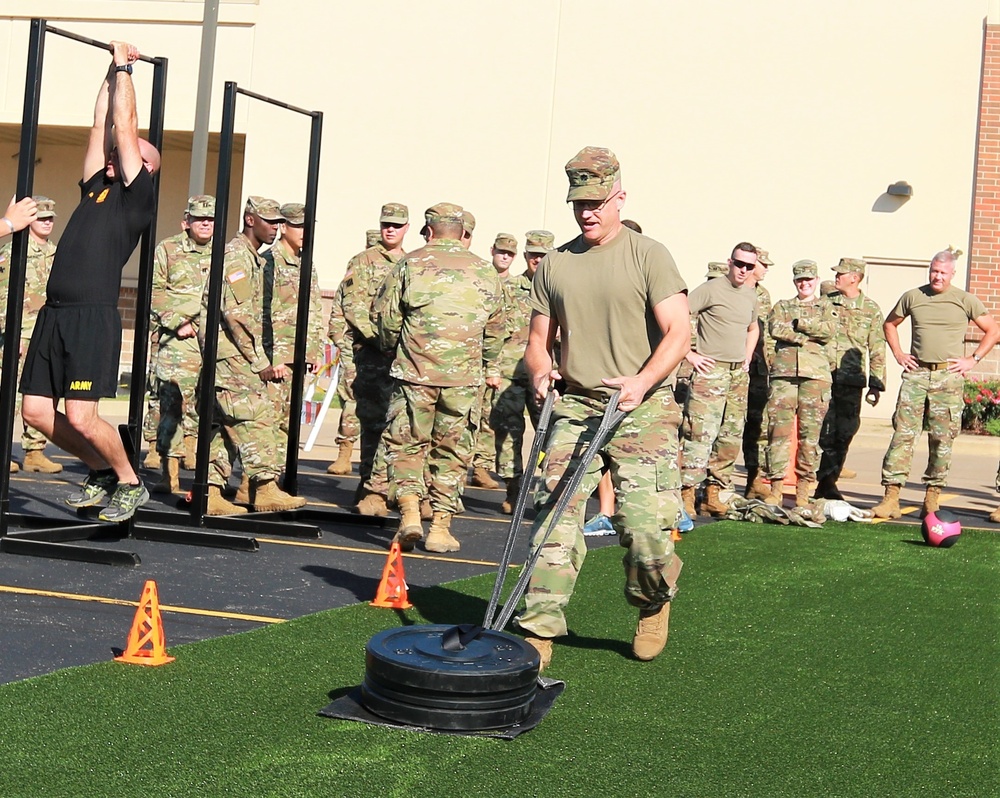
(46, 207)
(372, 237)
(294, 212)
(763, 256)
(266, 209)
(539, 241)
(446, 212)
(201, 205)
(468, 222)
(804, 268)
(394, 213)
(716, 268)
(850, 266)
(506, 243)
(592, 174)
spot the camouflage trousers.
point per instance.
(433, 427)
(348, 428)
(484, 444)
(31, 439)
(843, 420)
(755, 427)
(926, 397)
(642, 457)
(791, 398)
(372, 388)
(507, 420)
(280, 394)
(378, 481)
(151, 418)
(712, 430)
(178, 371)
(245, 414)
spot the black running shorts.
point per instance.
(74, 353)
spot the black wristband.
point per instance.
(124, 68)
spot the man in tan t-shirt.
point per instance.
(725, 312)
(621, 308)
(933, 377)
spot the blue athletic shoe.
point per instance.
(685, 524)
(599, 525)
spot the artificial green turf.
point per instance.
(846, 661)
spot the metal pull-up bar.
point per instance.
(206, 399)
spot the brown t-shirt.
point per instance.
(602, 298)
(724, 313)
(939, 321)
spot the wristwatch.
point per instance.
(976, 357)
(124, 68)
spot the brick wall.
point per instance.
(984, 257)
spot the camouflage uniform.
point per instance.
(180, 273)
(372, 383)
(281, 274)
(246, 413)
(800, 381)
(441, 311)
(859, 331)
(339, 331)
(37, 268)
(756, 425)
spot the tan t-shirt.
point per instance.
(939, 321)
(602, 298)
(724, 313)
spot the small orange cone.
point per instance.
(147, 645)
(675, 535)
(391, 591)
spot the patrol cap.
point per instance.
(446, 212)
(539, 241)
(592, 174)
(394, 213)
(201, 205)
(266, 209)
(827, 287)
(717, 268)
(372, 237)
(804, 268)
(294, 212)
(505, 242)
(850, 266)
(468, 222)
(46, 207)
(763, 256)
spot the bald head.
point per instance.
(150, 156)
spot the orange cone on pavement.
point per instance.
(391, 591)
(147, 644)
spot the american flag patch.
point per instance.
(237, 275)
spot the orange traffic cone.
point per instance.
(675, 535)
(392, 589)
(147, 628)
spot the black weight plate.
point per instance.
(454, 701)
(413, 656)
(453, 720)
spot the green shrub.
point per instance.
(981, 412)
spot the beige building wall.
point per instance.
(780, 122)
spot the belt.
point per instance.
(932, 366)
(732, 365)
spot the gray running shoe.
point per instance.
(97, 485)
(125, 501)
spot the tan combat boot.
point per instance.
(757, 488)
(269, 498)
(410, 530)
(513, 488)
(169, 482)
(243, 494)
(995, 516)
(439, 538)
(543, 645)
(373, 504)
(651, 633)
(889, 506)
(932, 501)
(189, 460)
(687, 497)
(713, 505)
(36, 461)
(803, 493)
(152, 458)
(217, 505)
(848, 473)
(342, 465)
(481, 479)
(426, 511)
(777, 493)
(14, 467)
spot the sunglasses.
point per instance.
(739, 264)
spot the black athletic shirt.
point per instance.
(98, 240)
